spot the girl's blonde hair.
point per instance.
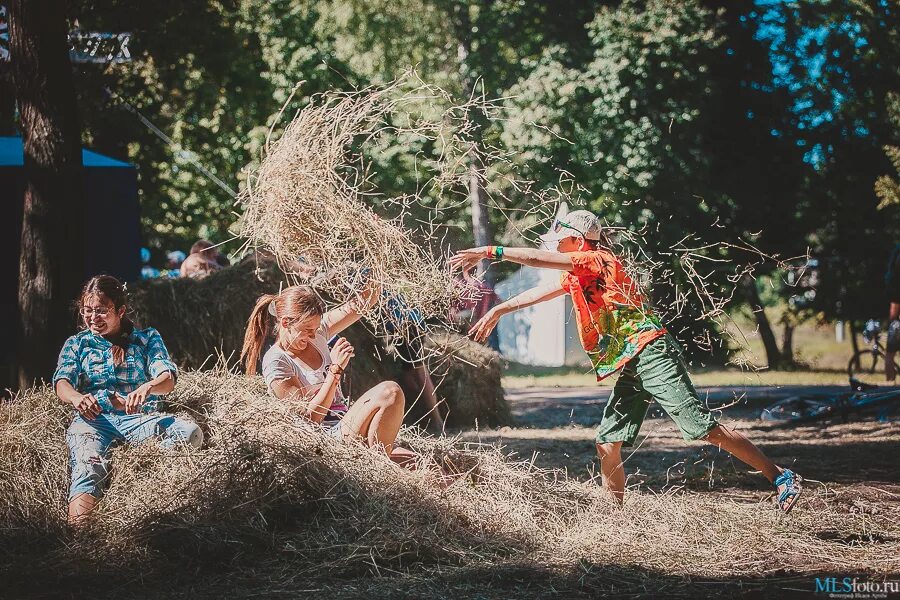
(296, 302)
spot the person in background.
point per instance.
(147, 271)
(892, 281)
(477, 300)
(112, 374)
(407, 351)
(405, 330)
(174, 259)
(203, 259)
(211, 251)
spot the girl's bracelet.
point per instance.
(336, 369)
(495, 252)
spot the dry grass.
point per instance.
(821, 361)
(270, 506)
(814, 344)
(308, 198)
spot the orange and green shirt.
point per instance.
(614, 321)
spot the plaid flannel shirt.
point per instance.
(86, 361)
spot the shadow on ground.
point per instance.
(512, 581)
(859, 452)
(548, 407)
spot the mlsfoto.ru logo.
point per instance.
(854, 585)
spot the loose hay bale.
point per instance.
(308, 197)
(464, 373)
(261, 465)
(33, 450)
(198, 319)
(201, 320)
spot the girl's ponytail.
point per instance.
(295, 302)
(258, 330)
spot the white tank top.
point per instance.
(278, 365)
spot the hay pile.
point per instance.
(464, 371)
(271, 507)
(203, 321)
(265, 483)
(309, 198)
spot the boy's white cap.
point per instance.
(579, 223)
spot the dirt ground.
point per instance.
(852, 466)
(557, 426)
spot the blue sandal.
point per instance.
(791, 492)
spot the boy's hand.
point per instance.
(466, 260)
(481, 330)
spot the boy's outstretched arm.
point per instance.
(485, 325)
(542, 259)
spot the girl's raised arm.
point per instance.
(338, 319)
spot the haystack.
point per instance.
(203, 321)
(273, 507)
(262, 474)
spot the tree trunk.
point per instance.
(855, 343)
(51, 256)
(787, 342)
(481, 223)
(7, 102)
(773, 355)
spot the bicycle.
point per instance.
(863, 365)
(806, 408)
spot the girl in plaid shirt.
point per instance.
(112, 374)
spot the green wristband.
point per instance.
(499, 252)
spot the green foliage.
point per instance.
(381, 38)
(209, 75)
(625, 125)
(840, 60)
(667, 118)
(886, 187)
(466, 47)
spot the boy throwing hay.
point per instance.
(621, 334)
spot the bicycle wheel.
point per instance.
(799, 409)
(870, 369)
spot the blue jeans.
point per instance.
(90, 442)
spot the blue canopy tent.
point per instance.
(111, 225)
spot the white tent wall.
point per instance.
(575, 355)
(542, 335)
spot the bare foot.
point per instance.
(405, 458)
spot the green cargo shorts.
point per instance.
(657, 373)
